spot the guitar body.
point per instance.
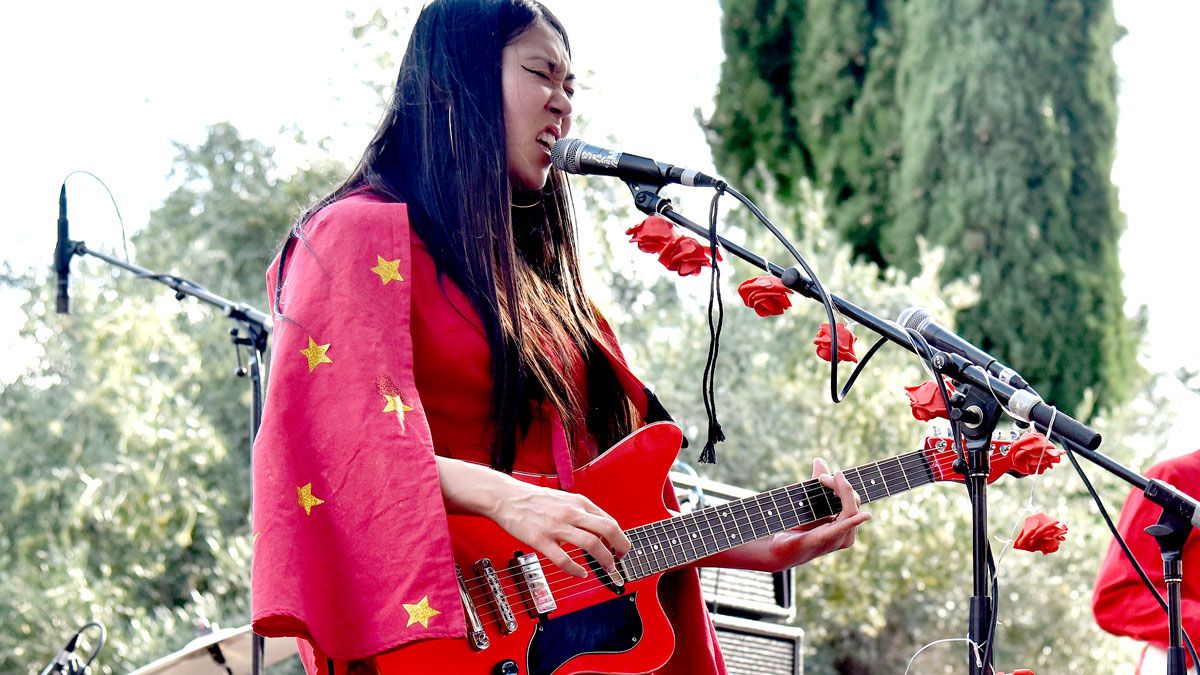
(595, 628)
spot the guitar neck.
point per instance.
(682, 540)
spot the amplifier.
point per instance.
(759, 648)
(745, 593)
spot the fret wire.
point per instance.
(720, 520)
(765, 511)
(698, 541)
(739, 535)
(762, 518)
(778, 514)
(887, 492)
(673, 534)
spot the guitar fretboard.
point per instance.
(678, 541)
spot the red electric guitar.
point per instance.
(526, 616)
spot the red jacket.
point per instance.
(1122, 603)
(376, 367)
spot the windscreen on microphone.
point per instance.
(940, 337)
(565, 155)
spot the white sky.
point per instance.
(107, 86)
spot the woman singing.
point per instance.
(432, 336)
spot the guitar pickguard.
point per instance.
(609, 627)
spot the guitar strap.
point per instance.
(649, 407)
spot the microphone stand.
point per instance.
(252, 332)
(980, 406)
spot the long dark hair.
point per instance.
(441, 149)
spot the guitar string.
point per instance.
(906, 464)
(553, 578)
(594, 583)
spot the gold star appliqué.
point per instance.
(420, 613)
(394, 404)
(388, 270)
(315, 354)
(305, 496)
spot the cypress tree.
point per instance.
(807, 91)
(1008, 118)
(986, 128)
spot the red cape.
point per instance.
(352, 551)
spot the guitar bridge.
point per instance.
(508, 622)
(475, 633)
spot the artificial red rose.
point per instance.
(824, 343)
(766, 295)
(685, 256)
(1019, 671)
(926, 400)
(652, 234)
(1041, 533)
(1033, 453)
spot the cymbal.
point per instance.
(197, 657)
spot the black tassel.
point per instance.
(709, 454)
(715, 435)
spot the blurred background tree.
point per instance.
(126, 444)
(984, 128)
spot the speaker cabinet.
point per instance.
(759, 648)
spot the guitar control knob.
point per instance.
(506, 667)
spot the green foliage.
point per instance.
(1007, 150)
(126, 443)
(907, 580)
(808, 91)
(987, 129)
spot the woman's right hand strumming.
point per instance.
(543, 518)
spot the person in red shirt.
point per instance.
(1121, 602)
(432, 337)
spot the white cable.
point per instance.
(974, 647)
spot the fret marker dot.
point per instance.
(656, 547)
(770, 513)
(695, 536)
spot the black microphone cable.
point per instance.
(68, 663)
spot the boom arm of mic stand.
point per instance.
(242, 312)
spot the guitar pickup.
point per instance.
(508, 622)
(613, 581)
(537, 588)
(475, 633)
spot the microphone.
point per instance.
(574, 156)
(63, 252)
(67, 662)
(940, 337)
